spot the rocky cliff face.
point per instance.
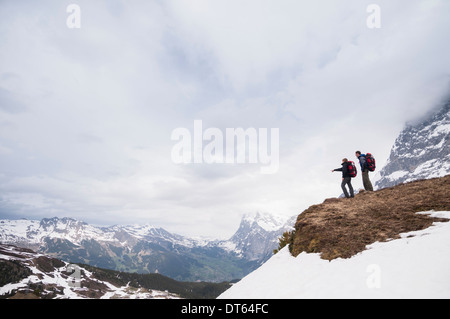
(421, 151)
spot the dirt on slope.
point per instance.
(343, 227)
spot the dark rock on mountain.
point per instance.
(422, 150)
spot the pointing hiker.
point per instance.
(365, 171)
(348, 170)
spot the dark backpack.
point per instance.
(352, 169)
(370, 162)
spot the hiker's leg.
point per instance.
(350, 187)
(366, 181)
(369, 183)
(343, 187)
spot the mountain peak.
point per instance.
(257, 235)
(55, 221)
(266, 221)
(422, 150)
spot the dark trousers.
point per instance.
(347, 181)
(366, 181)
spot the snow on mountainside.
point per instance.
(401, 268)
(35, 275)
(33, 232)
(148, 249)
(422, 150)
(152, 234)
(25, 274)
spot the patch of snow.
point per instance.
(441, 129)
(396, 175)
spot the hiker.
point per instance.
(346, 177)
(365, 171)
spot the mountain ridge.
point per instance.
(146, 248)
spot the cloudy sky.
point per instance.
(87, 114)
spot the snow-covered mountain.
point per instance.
(421, 151)
(32, 232)
(257, 236)
(148, 249)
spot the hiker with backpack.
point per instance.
(367, 162)
(348, 170)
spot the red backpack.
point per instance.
(352, 169)
(370, 162)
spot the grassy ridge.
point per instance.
(341, 227)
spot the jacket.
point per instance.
(344, 170)
(362, 161)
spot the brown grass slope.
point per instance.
(343, 227)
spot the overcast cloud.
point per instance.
(86, 115)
